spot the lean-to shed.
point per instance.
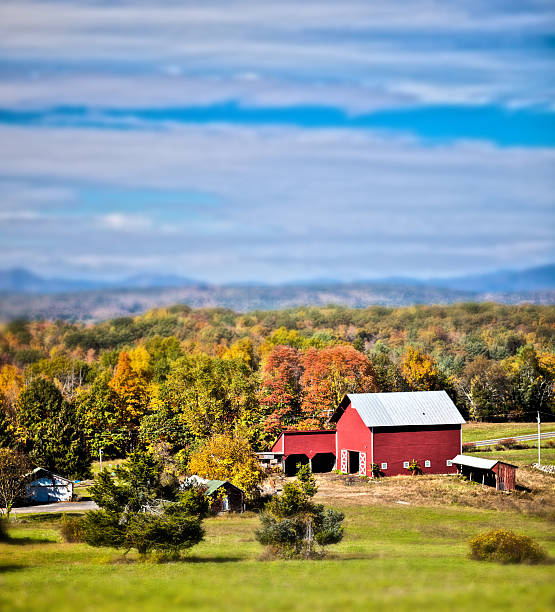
(490, 472)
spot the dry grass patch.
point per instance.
(536, 496)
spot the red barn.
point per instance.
(393, 429)
(316, 447)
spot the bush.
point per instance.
(468, 446)
(505, 546)
(509, 443)
(550, 444)
(71, 528)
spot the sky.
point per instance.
(277, 141)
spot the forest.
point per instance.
(175, 378)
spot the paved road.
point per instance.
(547, 434)
(57, 507)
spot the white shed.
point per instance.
(45, 487)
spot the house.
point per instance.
(226, 497)
(490, 472)
(386, 429)
(46, 487)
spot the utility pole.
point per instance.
(100, 452)
(539, 441)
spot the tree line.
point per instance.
(175, 379)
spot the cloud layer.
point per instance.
(117, 157)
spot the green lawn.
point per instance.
(487, 431)
(521, 456)
(393, 557)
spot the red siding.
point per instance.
(352, 434)
(394, 445)
(308, 443)
(278, 445)
(506, 475)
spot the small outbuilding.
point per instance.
(46, 487)
(226, 497)
(490, 472)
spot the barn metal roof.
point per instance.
(410, 408)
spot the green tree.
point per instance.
(293, 526)
(142, 508)
(50, 430)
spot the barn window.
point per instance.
(406, 464)
(384, 466)
(449, 463)
(427, 463)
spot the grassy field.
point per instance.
(520, 457)
(486, 431)
(408, 556)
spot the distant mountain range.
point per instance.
(24, 294)
(20, 280)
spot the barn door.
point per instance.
(344, 461)
(362, 465)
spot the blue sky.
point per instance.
(277, 141)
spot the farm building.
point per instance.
(488, 472)
(226, 496)
(316, 447)
(386, 429)
(45, 487)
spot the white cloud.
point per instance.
(356, 54)
(291, 203)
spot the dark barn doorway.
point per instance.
(354, 462)
(323, 462)
(291, 463)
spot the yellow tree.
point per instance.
(420, 371)
(131, 391)
(224, 457)
(11, 384)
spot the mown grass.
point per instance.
(486, 431)
(519, 456)
(392, 557)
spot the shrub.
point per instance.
(509, 443)
(505, 546)
(550, 444)
(468, 446)
(71, 528)
(415, 468)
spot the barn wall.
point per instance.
(352, 434)
(309, 443)
(394, 445)
(278, 445)
(506, 475)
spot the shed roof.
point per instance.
(35, 472)
(402, 408)
(214, 485)
(478, 462)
